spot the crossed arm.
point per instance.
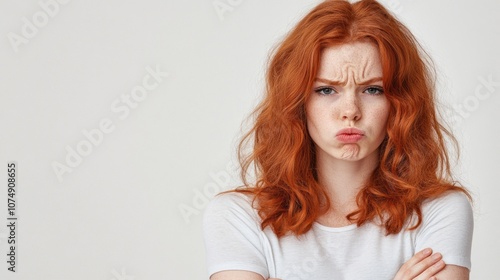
(422, 266)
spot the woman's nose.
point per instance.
(350, 108)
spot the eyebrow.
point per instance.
(334, 83)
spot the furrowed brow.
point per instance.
(329, 82)
(371, 81)
(335, 83)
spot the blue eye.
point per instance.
(325, 90)
(374, 90)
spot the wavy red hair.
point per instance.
(414, 164)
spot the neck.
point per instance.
(344, 179)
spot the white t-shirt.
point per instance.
(234, 241)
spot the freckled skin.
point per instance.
(348, 70)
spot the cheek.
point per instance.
(317, 121)
(312, 122)
(380, 114)
(313, 114)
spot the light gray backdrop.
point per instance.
(123, 118)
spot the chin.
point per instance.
(350, 152)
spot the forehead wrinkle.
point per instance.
(365, 67)
(335, 82)
(350, 71)
(350, 63)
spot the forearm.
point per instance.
(453, 272)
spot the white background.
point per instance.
(117, 214)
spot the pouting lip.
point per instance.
(350, 130)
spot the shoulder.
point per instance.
(453, 203)
(449, 197)
(231, 205)
(231, 200)
(447, 227)
(233, 236)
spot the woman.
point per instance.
(352, 174)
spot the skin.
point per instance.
(348, 93)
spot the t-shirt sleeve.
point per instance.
(447, 228)
(232, 234)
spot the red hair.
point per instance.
(414, 163)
